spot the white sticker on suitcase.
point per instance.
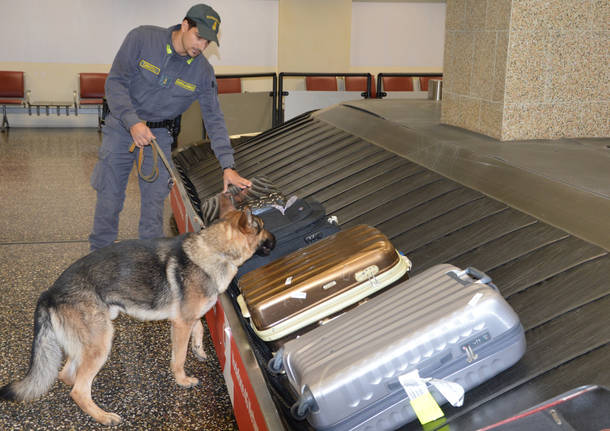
(424, 405)
(453, 392)
(413, 385)
(298, 295)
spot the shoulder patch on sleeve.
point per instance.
(186, 85)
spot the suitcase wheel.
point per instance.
(296, 413)
(275, 364)
(304, 405)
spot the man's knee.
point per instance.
(152, 197)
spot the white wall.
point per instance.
(91, 31)
(383, 34)
(398, 35)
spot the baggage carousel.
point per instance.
(534, 215)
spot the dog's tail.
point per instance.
(45, 359)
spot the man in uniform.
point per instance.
(156, 75)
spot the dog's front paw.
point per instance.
(109, 419)
(200, 353)
(188, 382)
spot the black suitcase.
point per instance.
(303, 223)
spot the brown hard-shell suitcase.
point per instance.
(319, 280)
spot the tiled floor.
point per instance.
(46, 211)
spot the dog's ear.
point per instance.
(225, 204)
(245, 220)
(241, 196)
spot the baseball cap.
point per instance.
(207, 20)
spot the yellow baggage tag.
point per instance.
(424, 405)
(426, 408)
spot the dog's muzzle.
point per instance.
(266, 245)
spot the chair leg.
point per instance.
(100, 121)
(5, 125)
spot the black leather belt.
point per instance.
(172, 126)
(165, 124)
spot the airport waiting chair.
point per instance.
(91, 93)
(358, 83)
(397, 83)
(321, 83)
(423, 81)
(12, 92)
(228, 85)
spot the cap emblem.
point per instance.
(215, 25)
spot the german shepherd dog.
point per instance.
(178, 279)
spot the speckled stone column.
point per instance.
(527, 69)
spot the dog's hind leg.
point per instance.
(94, 355)
(66, 375)
(181, 332)
(197, 341)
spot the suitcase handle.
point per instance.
(480, 276)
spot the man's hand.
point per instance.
(141, 134)
(230, 176)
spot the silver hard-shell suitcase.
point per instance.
(446, 323)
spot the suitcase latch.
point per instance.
(367, 273)
(471, 356)
(329, 285)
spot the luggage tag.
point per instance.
(424, 405)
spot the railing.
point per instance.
(278, 93)
(281, 93)
(381, 94)
(272, 93)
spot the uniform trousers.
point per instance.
(110, 177)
